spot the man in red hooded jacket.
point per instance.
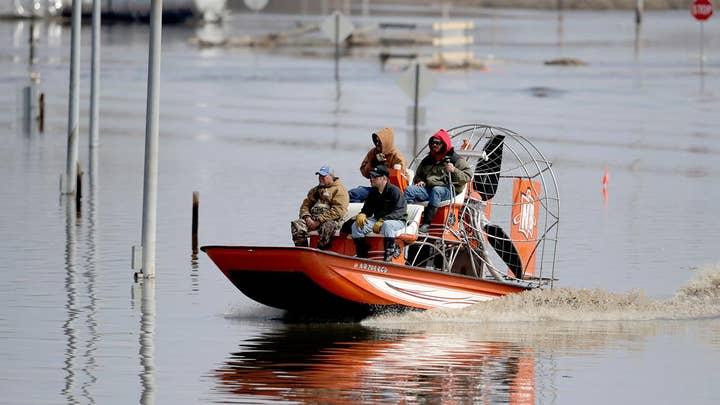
(431, 182)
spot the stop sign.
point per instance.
(701, 9)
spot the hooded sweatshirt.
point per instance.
(432, 168)
(392, 155)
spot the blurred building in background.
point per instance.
(130, 10)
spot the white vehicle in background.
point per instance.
(207, 10)
(32, 8)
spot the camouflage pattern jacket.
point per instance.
(326, 203)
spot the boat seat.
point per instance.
(410, 173)
(408, 234)
(401, 178)
(458, 200)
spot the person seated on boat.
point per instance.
(323, 210)
(431, 176)
(383, 153)
(384, 211)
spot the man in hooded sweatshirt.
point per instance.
(323, 209)
(431, 177)
(383, 153)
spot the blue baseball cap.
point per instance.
(324, 171)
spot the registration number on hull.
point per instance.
(370, 267)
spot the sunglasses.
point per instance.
(435, 142)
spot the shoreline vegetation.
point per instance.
(315, 5)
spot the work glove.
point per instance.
(377, 226)
(380, 157)
(361, 220)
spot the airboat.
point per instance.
(496, 236)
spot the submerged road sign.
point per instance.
(337, 27)
(416, 81)
(701, 9)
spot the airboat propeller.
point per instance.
(487, 176)
(501, 242)
(514, 181)
(487, 169)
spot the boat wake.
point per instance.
(700, 298)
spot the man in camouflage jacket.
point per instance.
(323, 210)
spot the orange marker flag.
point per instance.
(605, 197)
(606, 177)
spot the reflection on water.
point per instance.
(194, 276)
(461, 362)
(145, 293)
(81, 298)
(71, 306)
(91, 260)
(560, 28)
(637, 42)
(351, 363)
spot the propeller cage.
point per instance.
(507, 226)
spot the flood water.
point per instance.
(634, 317)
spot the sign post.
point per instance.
(74, 101)
(416, 82)
(152, 140)
(702, 10)
(337, 27)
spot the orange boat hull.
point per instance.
(311, 281)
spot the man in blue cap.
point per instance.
(323, 210)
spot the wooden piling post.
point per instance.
(78, 184)
(31, 58)
(639, 8)
(195, 205)
(41, 112)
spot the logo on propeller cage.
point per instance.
(451, 219)
(526, 218)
